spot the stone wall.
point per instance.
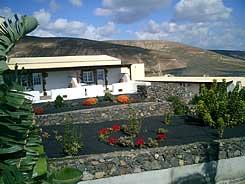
(160, 91)
(100, 114)
(135, 161)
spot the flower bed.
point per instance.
(180, 131)
(79, 104)
(109, 136)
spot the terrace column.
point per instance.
(106, 80)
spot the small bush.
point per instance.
(124, 99)
(59, 102)
(167, 118)
(70, 140)
(90, 101)
(38, 110)
(179, 106)
(108, 97)
(133, 125)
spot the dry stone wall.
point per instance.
(135, 161)
(160, 91)
(101, 114)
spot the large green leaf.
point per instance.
(10, 175)
(12, 149)
(17, 131)
(40, 168)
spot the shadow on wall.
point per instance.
(192, 179)
(208, 172)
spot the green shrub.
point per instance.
(59, 102)
(167, 118)
(134, 123)
(219, 109)
(108, 96)
(179, 106)
(70, 140)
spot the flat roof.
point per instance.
(62, 62)
(193, 79)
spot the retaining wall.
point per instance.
(160, 91)
(101, 114)
(137, 161)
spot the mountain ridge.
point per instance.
(160, 57)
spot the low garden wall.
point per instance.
(136, 161)
(101, 114)
(160, 91)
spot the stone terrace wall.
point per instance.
(101, 114)
(160, 91)
(119, 163)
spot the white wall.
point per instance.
(59, 79)
(86, 91)
(137, 71)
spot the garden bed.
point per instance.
(180, 131)
(77, 104)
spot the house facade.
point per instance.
(47, 77)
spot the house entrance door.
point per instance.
(37, 81)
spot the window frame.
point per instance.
(102, 74)
(87, 77)
(37, 77)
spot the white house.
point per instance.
(76, 76)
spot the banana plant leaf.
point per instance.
(12, 149)
(40, 168)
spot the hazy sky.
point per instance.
(210, 24)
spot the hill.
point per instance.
(160, 57)
(232, 53)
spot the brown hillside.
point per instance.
(160, 57)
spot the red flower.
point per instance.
(103, 131)
(112, 140)
(139, 142)
(38, 110)
(161, 136)
(116, 128)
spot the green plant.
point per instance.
(218, 108)
(221, 127)
(152, 143)
(66, 176)
(20, 144)
(59, 102)
(10, 174)
(162, 130)
(108, 96)
(178, 105)
(134, 123)
(126, 141)
(167, 118)
(70, 140)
